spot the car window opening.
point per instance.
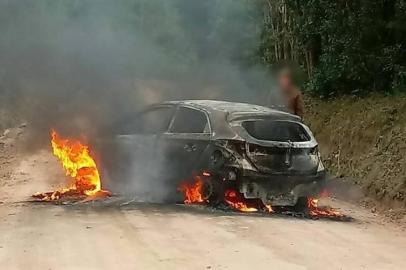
(153, 121)
(190, 121)
(278, 131)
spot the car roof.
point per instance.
(229, 107)
(221, 113)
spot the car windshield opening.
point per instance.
(278, 131)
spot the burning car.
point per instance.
(262, 153)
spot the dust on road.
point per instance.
(146, 236)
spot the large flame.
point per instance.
(78, 164)
(192, 191)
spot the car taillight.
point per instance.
(315, 153)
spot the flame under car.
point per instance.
(262, 153)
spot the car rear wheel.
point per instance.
(213, 190)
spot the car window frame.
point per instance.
(170, 131)
(152, 108)
(306, 133)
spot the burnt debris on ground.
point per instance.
(285, 211)
(116, 201)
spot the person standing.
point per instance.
(291, 95)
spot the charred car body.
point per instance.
(263, 153)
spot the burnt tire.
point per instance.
(213, 190)
(301, 204)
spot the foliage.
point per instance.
(345, 46)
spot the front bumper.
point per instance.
(282, 190)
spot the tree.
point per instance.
(345, 46)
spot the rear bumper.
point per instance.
(282, 190)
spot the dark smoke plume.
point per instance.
(79, 66)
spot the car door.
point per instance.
(185, 142)
(137, 142)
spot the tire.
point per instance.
(213, 190)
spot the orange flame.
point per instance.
(316, 211)
(193, 194)
(192, 191)
(78, 164)
(232, 199)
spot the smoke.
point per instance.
(78, 66)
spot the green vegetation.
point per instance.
(346, 47)
(363, 140)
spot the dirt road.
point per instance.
(145, 236)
